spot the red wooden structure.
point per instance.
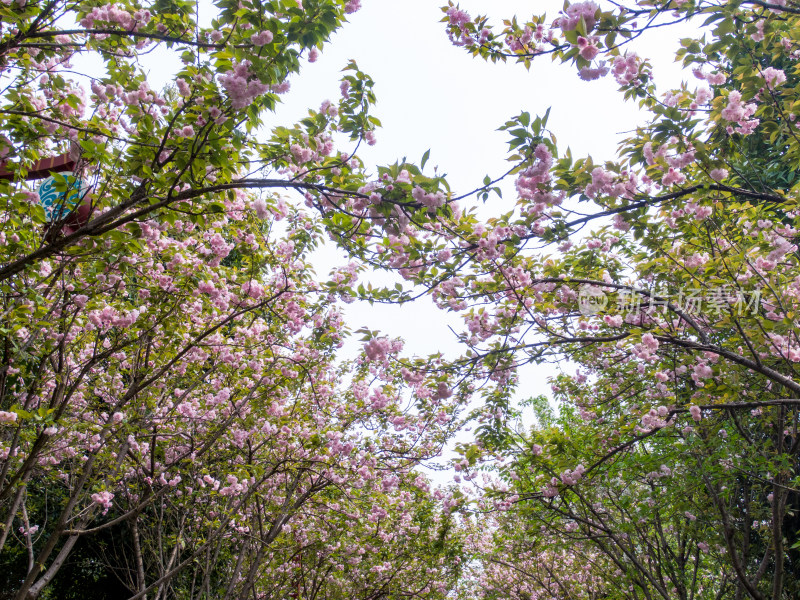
(42, 168)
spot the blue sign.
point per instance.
(58, 204)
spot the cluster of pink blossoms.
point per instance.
(602, 183)
(529, 182)
(774, 77)
(626, 68)
(459, 19)
(111, 317)
(30, 531)
(431, 200)
(574, 13)
(673, 176)
(592, 73)
(701, 371)
(655, 419)
(648, 348)
(378, 349)
(518, 44)
(253, 289)
(262, 38)
(715, 78)
(241, 85)
(738, 112)
(718, 174)
(587, 47)
(7, 417)
(113, 13)
(103, 499)
(301, 155)
(572, 477)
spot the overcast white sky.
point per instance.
(434, 95)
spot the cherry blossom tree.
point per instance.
(668, 278)
(173, 407)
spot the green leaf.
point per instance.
(425, 158)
